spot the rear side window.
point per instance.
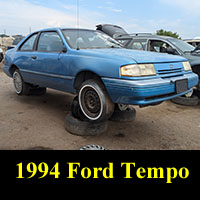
(29, 44)
(50, 42)
(137, 45)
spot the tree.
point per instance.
(167, 33)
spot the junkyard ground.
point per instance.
(28, 122)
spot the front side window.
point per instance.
(50, 42)
(161, 47)
(29, 44)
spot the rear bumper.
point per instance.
(6, 70)
(146, 92)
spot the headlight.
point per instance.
(138, 70)
(187, 66)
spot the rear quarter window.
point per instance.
(28, 45)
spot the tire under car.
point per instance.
(186, 101)
(76, 122)
(84, 128)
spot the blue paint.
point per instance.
(58, 70)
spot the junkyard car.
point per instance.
(155, 43)
(96, 68)
(193, 42)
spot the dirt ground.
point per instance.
(38, 122)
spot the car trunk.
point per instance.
(111, 30)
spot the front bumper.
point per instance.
(146, 92)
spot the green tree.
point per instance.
(167, 33)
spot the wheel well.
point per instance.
(83, 76)
(12, 69)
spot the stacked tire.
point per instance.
(92, 108)
(188, 101)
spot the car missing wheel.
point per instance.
(97, 69)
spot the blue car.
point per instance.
(98, 69)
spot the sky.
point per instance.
(23, 16)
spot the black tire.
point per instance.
(93, 147)
(191, 101)
(197, 92)
(21, 88)
(83, 128)
(94, 101)
(127, 115)
(76, 110)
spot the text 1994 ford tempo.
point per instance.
(96, 68)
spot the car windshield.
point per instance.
(88, 39)
(183, 46)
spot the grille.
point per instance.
(168, 73)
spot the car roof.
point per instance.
(58, 28)
(142, 36)
(192, 40)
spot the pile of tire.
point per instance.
(77, 124)
(188, 101)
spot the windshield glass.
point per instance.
(183, 46)
(86, 39)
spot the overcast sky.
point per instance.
(181, 16)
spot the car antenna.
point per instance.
(78, 33)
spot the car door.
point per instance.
(24, 57)
(48, 61)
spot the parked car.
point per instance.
(95, 67)
(155, 43)
(1, 54)
(193, 42)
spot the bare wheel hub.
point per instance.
(92, 101)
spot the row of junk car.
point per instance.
(107, 69)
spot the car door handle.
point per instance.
(34, 57)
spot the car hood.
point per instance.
(137, 56)
(194, 59)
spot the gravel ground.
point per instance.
(33, 122)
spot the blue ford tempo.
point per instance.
(96, 68)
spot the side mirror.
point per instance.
(64, 50)
(10, 47)
(170, 50)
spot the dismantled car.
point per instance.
(160, 44)
(155, 43)
(193, 42)
(97, 69)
